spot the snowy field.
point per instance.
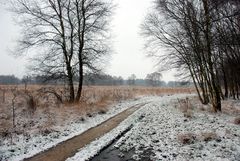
(161, 129)
(24, 146)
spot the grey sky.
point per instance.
(128, 57)
(8, 34)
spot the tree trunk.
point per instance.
(215, 92)
(81, 34)
(217, 103)
(80, 81)
(225, 83)
(70, 84)
(196, 86)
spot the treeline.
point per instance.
(202, 38)
(94, 79)
(9, 79)
(13, 80)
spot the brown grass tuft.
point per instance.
(208, 136)
(190, 138)
(186, 138)
(231, 107)
(237, 120)
(5, 133)
(186, 107)
(201, 108)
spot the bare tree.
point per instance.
(178, 32)
(25, 80)
(131, 79)
(227, 45)
(14, 93)
(154, 78)
(187, 29)
(69, 36)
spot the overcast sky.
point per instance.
(128, 57)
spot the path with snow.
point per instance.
(68, 148)
(149, 128)
(155, 132)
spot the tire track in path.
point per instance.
(68, 148)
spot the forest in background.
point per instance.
(94, 80)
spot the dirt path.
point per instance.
(68, 148)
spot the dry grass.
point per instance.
(208, 136)
(186, 107)
(39, 111)
(231, 107)
(191, 138)
(186, 138)
(237, 120)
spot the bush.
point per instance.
(208, 136)
(237, 121)
(186, 138)
(186, 107)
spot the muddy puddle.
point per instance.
(111, 153)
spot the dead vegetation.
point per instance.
(186, 138)
(231, 107)
(186, 107)
(191, 138)
(38, 109)
(237, 120)
(208, 136)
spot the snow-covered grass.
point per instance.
(24, 146)
(93, 148)
(45, 121)
(161, 127)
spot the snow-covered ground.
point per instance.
(162, 128)
(25, 146)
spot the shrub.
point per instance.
(237, 121)
(186, 138)
(208, 136)
(188, 114)
(186, 107)
(102, 111)
(5, 133)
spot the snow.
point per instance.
(94, 147)
(156, 127)
(26, 146)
